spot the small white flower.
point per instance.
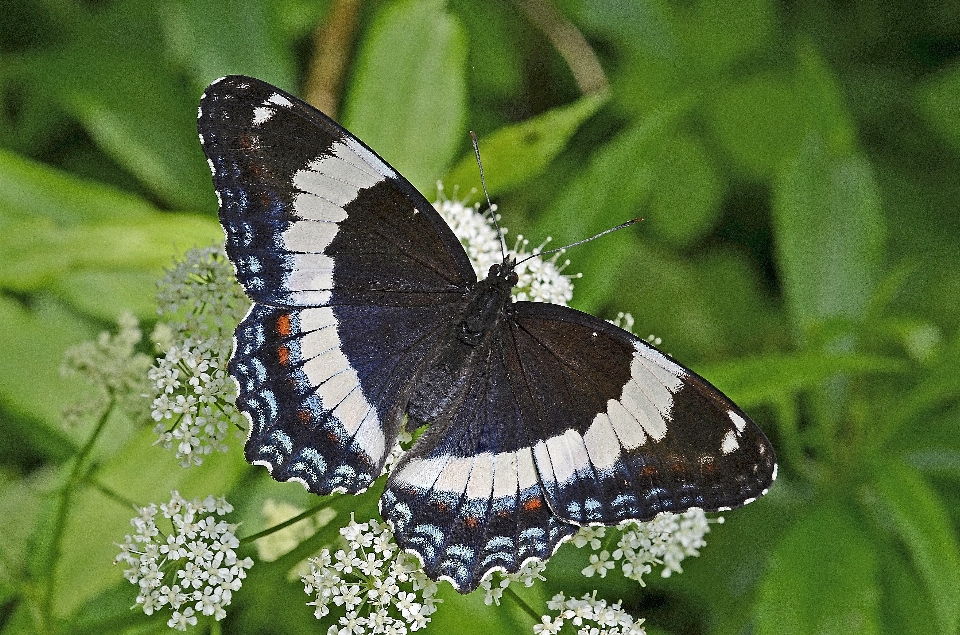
(590, 615)
(600, 563)
(357, 533)
(589, 536)
(181, 620)
(184, 564)
(380, 589)
(112, 365)
(578, 610)
(548, 625)
(527, 575)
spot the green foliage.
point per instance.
(798, 167)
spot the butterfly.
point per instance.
(367, 316)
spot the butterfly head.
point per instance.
(504, 272)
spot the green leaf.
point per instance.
(408, 98)
(747, 26)
(515, 153)
(33, 340)
(709, 307)
(107, 75)
(829, 232)
(96, 247)
(496, 36)
(611, 189)
(686, 198)
(32, 190)
(824, 100)
(766, 379)
(756, 121)
(223, 37)
(21, 501)
(939, 102)
(822, 578)
(916, 515)
(763, 120)
(43, 252)
(902, 595)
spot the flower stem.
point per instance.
(519, 601)
(60, 519)
(290, 521)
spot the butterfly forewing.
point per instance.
(307, 208)
(624, 431)
(354, 275)
(569, 421)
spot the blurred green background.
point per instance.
(798, 167)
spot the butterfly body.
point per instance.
(367, 314)
(443, 385)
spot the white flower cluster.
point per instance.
(112, 365)
(193, 396)
(540, 280)
(377, 587)
(589, 615)
(194, 404)
(194, 568)
(666, 540)
(200, 294)
(475, 231)
(624, 321)
(527, 574)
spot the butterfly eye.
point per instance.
(513, 278)
(494, 270)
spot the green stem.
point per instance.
(290, 521)
(519, 601)
(111, 494)
(60, 519)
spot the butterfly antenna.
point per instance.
(483, 184)
(585, 240)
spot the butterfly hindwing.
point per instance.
(467, 497)
(326, 402)
(354, 275)
(624, 431)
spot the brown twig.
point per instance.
(333, 43)
(569, 42)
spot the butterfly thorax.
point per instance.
(488, 301)
(445, 379)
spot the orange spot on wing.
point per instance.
(532, 505)
(304, 416)
(470, 522)
(283, 355)
(283, 325)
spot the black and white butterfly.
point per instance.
(367, 311)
